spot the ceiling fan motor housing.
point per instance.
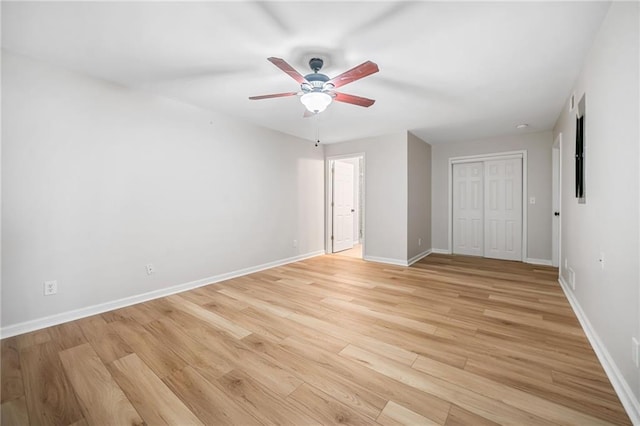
(316, 64)
(316, 79)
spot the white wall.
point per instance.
(419, 194)
(538, 146)
(385, 168)
(99, 180)
(608, 222)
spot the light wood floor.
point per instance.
(356, 252)
(450, 340)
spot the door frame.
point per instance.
(556, 177)
(328, 216)
(522, 154)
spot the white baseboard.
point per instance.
(620, 385)
(544, 262)
(440, 251)
(37, 324)
(422, 255)
(397, 262)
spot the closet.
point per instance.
(487, 209)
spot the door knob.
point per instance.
(352, 210)
(556, 213)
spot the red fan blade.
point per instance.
(284, 66)
(354, 74)
(355, 100)
(275, 95)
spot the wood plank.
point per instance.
(105, 341)
(324, 408)
(210, 317)
(222, 354)
(101, 399)
(209, 402)
(490, 408)
(191, 350)
(322, 377)
(67, 335)
(380, 347)
(461, 417)
(161, 359)
(257, 303)
(548, 410)
(423, 403)
(11, 373)
(34, 338)
(396, 319)
(395, 414)
(50, 397)
(261, 402)
(14, 412)
(150, 396)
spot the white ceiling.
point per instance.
(448, 70)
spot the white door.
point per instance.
(555, 197)
(468, 208)
(503, 209)
(342, 206)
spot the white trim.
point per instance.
(488, 157)
(484, 157)
(37, 324)
(544, 262)
(398, 262)
(440, 251)
(417, 257)
(620, 385)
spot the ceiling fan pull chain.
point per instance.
(316, 118)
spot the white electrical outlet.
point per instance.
(50, 287)
(635, 351)
(419, 241)
(150, 268)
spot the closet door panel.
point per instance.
(503, 211)
(468, 206)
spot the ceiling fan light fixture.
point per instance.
(316, 102)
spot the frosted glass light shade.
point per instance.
(316, 101)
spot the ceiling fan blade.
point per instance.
(362, 70)
(284, 66)
(275, 95)
(352, 99)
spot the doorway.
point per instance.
(556, 196)
(487, 205)
(345, 205)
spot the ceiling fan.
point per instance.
(317, 90)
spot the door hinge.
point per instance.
(332, 238)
